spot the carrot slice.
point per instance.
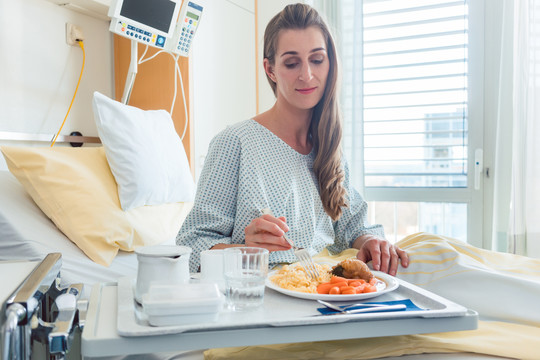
(334, 291)
(324, 288)
(340, 284)
(346, 288)
(360, 289)
(355, 283)
(337, 279)
(370, 289)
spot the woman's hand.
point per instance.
(384, 256)
(267, 232)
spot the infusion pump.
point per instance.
(187, 24)
(159, 23)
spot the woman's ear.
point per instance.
(269, 69)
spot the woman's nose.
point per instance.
(305, 74)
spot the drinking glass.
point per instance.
(245, 271)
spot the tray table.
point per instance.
(113, 327)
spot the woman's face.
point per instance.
(301, 67)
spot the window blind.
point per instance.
(414, 101)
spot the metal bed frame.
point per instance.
(39, 311)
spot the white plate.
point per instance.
(385, 284)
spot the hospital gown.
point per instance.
(249, 168)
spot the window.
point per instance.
(407, 89)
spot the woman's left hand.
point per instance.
(384, 256)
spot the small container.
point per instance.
(164, 264)
(168, 305)
(212, 268)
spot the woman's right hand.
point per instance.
(267, 232)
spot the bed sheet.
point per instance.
(26, 233)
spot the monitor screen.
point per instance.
(156, 13)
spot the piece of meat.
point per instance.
(353, 269)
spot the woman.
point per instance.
(287, 159)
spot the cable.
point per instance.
(176, 72)
(141, 60)
(143, 54)
(175, 82)
(80, 42)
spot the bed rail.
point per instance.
(40, 312)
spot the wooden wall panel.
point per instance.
(154, 85)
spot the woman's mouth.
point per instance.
(306, 91)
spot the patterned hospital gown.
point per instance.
(249, 168)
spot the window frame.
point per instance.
(471, 196)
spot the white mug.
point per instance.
(212, 267)
(161, 264)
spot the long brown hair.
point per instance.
(326, 124)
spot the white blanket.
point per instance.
(499, 286)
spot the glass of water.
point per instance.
(245, 270)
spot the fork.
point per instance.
(379, 307)
(301, 254)
(345, 307)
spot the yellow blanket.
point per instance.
(491, 338)
(503, 288)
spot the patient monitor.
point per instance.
(148, 22)
(159, 23)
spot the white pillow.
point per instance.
(145, 154)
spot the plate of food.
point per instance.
(350, 279)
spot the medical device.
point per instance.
(187, 24)
(154, 23)
(157, 23)
(148, 22)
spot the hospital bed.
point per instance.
(26, 233)
(75, 216)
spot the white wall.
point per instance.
(266, 11)
(224, 62)
(223, 70)
(39, 71)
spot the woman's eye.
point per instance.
(317, 61)
(290, 65)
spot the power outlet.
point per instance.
(73, 34)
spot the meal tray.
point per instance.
(279, 310)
